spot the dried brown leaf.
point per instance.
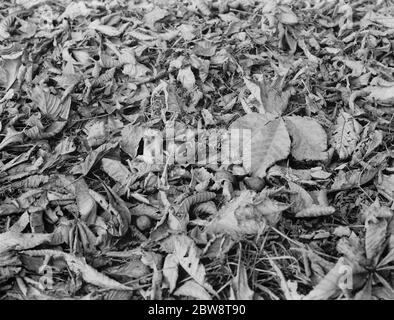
(345, 135)
(264, 141)
(308, 139)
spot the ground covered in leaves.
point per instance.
(106, 105)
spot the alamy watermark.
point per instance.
(201, 147)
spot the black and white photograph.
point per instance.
(194, 156)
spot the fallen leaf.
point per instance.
(86, 204)
(186, 77)
(131, 137)
(155, 15)
(21, 241)
(94, 156)
(74, 10)
(170, 271)
(308, 139)
(246, 214)
(268, 139)
(192, 289)
(385, 186)
(240, 289)
(117, 171)
(50, 105)
(346, 134)
(329, 285)
(9, 71)
(287, 16)
(375, 236)
(12, 136)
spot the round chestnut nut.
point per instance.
(254, 183)
(143, 223)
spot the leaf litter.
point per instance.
(89, 185)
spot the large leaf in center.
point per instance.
(269, 141)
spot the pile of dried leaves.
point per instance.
(87, 213)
